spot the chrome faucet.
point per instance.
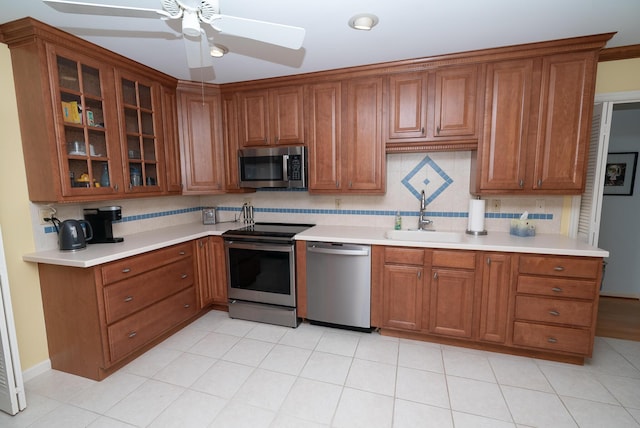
(422, 221)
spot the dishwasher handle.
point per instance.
(338, 251)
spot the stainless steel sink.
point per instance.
(424, 235)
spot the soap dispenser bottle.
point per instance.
(398, 224)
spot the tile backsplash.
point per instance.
(444, 176)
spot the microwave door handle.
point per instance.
(285, 167)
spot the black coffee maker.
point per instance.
(101, 220)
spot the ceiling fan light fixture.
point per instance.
(218, 51)
(190, 24)
(363, 21)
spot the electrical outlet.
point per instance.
(338, 203)
(45, 213)
(540, 206)
(495, 205)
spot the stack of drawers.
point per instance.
(556, 303)
(146, 295)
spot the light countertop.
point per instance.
(152, 240)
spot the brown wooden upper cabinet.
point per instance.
(99, 133)
(433, 110)
(201, 138)
(346, 149)
(536, 128)
(271, 116)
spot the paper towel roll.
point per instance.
(476, 216)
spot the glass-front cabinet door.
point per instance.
(141, 132)
(86, 132)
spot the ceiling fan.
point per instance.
(194, 14)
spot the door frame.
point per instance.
(609, 100)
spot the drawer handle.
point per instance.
(554, 313)
(552, 340)
(128, 298)
(184, 275)
(182, 253)
(557, 289)
(132, 334)
(126, 270)
(187, 306)
(558, 268)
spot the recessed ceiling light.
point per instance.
(363, 21)
(218, 51)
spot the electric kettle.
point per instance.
(73, 234)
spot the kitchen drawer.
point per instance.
(454, 259)
(557, 287)
(576, 267)
(552, 338)
(122, 269)
(404, 256)
(126, 297)
(556, 311)
(135, 331)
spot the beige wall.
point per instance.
(618, 76)
(17, 230)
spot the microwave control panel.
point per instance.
(295, 167)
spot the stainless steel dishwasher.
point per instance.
(339, 284)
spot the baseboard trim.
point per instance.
(619, 295)
(36, 370)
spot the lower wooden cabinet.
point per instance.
(99, 318)
(402, 288)
(494, 297)
(212, 271)
(539, 305)
(452, 286)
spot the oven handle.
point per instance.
(284, 248)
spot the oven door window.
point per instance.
(262, 168)
(262, 273)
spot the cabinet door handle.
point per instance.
(488, 260)
(266, 141)
(350, 184)
(422, 130)
(183, 276)
(115, 187)
(438, 130)
(337, 184)
(277, 139)
(435, 275)
(132, 334)
(558, 268)
(552, 340)
(182, 253)
(419, 274)
(554, 313)
(201, 244)
(128, 298)
(126, 270)
(521, 183)
(539, 182)
(187, 306)
(556, 290)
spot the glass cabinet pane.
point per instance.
(141, 139)
(68, 74)
(91, 81)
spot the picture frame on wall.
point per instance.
(620, 173)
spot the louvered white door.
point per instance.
(588, 226)
(12, 398)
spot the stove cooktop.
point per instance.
(268, 230)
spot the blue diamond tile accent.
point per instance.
(427, 162)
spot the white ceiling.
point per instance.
(407, 29)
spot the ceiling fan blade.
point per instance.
(197, 49)
(104, 9)
(268, 32)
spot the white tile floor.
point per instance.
(219, 372)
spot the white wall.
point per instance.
(619, 230)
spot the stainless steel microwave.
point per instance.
(282, 166)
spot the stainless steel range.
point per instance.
(261, 269)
